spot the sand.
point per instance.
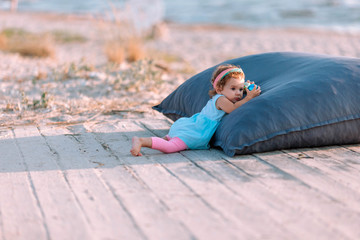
(79, 84)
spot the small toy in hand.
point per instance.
(249, 86)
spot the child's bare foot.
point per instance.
(136, 146)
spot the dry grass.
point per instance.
(143, 75)
(3, 41)
(62, 36)
(135, 50)
(33, 47)
(26, 44)
(115, 52)
(131, 50)
(124, 42)
(71, 70)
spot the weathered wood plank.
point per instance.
(314, 178)
(257, 196)
(336, 213)
(67, 173)
(104, 212)
(340, 157)
(63, 214)
(184, 204)
(158, 127)
(197, 213)
(244, 185)
(21, 217)
(224, 200)
(301, 196)
(150, 213)
(229, 203)
(354, 148)
(335, 162)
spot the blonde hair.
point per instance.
(221, 83)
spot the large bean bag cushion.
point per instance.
(307, 100)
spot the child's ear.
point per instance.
(218, 89)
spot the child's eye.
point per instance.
(233, 89)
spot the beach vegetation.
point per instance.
(187, 69)
(142, 75)
(72, 70)
(170, 58)
(27, 103)
(62, 36)
(32, 47)
(123, 42)
(135, 49)
(164, 56)
(3, 41)
(43, 102)
(115, 52)
(41, 75)
(14, 32)
(16, 40)
(121, 50)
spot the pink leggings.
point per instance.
(170, 145)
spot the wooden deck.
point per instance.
(79, 181)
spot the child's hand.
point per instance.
(250, 82)
(253, 93)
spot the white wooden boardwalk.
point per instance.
(80, 182)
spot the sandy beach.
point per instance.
(78, 83)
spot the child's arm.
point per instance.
(227, 106)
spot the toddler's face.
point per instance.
(233, 89)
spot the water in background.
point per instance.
(333, 14)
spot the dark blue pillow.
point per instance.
(307, 100)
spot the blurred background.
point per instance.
(343, 15)
(74, 60)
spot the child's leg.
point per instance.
(166, 146)
(172, 145)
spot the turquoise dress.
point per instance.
(197, 130)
